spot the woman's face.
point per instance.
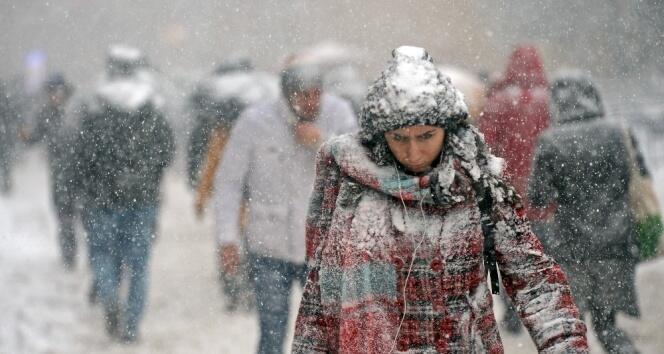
(416, 147)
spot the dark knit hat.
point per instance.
(57, 81)
(300, 78)
(574, 97)
(411, 91)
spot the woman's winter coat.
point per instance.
(396, 261)
(393, 271)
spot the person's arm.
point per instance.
(489, 126)
(40, 130)
(638, 155)
(83, 151)
(196, 145)
(536, 285)
(315, 329)
(229, 184)
(215, 149)
(166, 141)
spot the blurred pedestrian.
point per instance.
(208, 111)
(222, 98)
(270, 157)
(395, 240)
(51, 129)
(582, 165)
(122, 150)
(8, 136)
(515, 114)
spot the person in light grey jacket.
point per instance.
(270, 160)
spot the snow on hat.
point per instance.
(574, 97)
(411, 91)
(124, 60)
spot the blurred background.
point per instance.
(621, 43)
(611, 38)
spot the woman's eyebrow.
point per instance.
(427, 132)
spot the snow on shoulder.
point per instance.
(128, 95)
(124, 52)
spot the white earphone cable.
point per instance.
(412, 258)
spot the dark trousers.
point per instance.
(613, 339)
(63, 202)
(122, 238)
(272, 280)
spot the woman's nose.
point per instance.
(411, 151)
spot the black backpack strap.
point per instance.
(488, 229)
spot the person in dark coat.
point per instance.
(209, 112)
(8, 135)
(582, 166)
(52, 130)
(124, 146)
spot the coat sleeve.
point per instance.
(492, 125)
(166, 141)
(232, 173)
(213, 155)
(537, 286)
(640, 160)
(83, 151)
(41, 130)
(314, 328)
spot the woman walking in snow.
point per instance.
(395, 239)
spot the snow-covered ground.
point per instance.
(44, 309)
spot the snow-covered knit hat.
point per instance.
(574, 97)
(411, 91)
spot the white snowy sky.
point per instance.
(182, 36)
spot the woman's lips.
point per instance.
(417, 167)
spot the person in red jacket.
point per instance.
(515, 114)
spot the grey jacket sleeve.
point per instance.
(640, 160)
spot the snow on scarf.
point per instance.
(361, 240)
